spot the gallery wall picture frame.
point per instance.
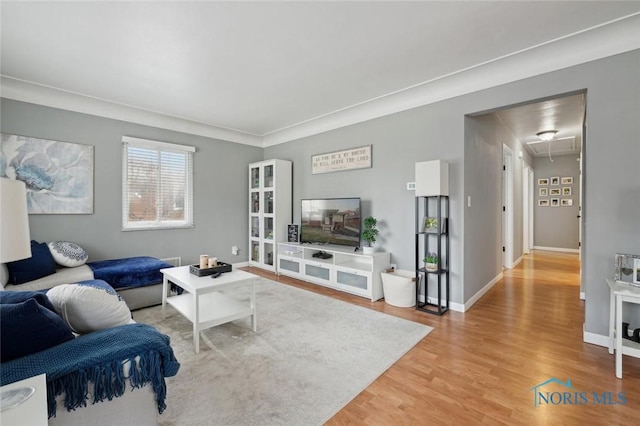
(566, 202)
(554, 180)
(567, 180)
(555, 202)
(543, 203)
(554, 191)
(636, 271)
(566, 191)
(543, 192)
(543, 181)
(58, 175)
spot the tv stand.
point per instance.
(322, 255)
(335, 267)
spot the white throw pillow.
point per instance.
(89, 306)
(67, 254)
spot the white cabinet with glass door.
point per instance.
(269, 210)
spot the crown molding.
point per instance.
(25, 91)
(608, 39)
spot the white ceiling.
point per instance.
(265, 69)
(565, 115)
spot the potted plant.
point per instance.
(431, 262)
(369, 234)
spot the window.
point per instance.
(157, 180)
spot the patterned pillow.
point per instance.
(89, 306)
(68, 254)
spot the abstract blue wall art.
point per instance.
(58, 175)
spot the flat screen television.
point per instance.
(331, 221)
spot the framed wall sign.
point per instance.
(349, 159)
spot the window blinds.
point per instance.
(157, 184)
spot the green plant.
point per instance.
(370, 231)
(431, 258)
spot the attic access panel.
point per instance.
(558, 146)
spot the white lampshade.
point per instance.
(15, 242)
(432, 178)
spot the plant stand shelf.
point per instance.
(435, 242)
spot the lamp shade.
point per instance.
(15, 241)
(432, 178)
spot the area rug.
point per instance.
(310, 356)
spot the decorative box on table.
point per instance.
(222, 267)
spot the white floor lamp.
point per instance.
(14, 221)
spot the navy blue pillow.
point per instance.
(39, 265)
(12, 297)
(28, 327)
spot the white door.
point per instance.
(525, 209)
(507, 207)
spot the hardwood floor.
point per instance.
(479, 367)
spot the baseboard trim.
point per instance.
(482, 292)
(593, 338)
(454, 306)
(459, 307)
(560, 249)
(582, 295)
(517, 262)
(240, 264)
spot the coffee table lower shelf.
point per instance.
(203, 303)
(215, 309)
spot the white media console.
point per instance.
(345, 269)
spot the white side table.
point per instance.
(33, 411)
(621, 293)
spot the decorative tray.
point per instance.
(222, 267)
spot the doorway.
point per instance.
(507, 207)
(527, 208)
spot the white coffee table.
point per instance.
(203, 304)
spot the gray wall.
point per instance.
(485, 136)
(220, 188)
(557, 226)
(398, 142)
(612, 179)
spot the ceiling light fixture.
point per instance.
(546, 135)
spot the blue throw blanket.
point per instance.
(129, 272)
(98, 357)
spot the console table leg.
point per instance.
(618, 337)
(612, 321)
